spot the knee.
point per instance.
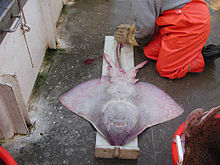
(171, 72)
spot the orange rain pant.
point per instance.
(178, 44)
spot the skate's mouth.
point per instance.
(119, 124)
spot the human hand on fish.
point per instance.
(125, 34)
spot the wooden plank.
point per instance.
(12, 79)
(14, 113)
(6, 127)
(103, 149)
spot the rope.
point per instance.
(25, 28)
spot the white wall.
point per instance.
(41, 16)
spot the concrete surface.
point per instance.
(61, 137)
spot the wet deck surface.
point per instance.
(61, 137)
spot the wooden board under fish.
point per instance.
(103, 149)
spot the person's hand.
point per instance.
(125, 34)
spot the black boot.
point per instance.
(210, 53)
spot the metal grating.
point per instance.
(8, 8)
(4, 5)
